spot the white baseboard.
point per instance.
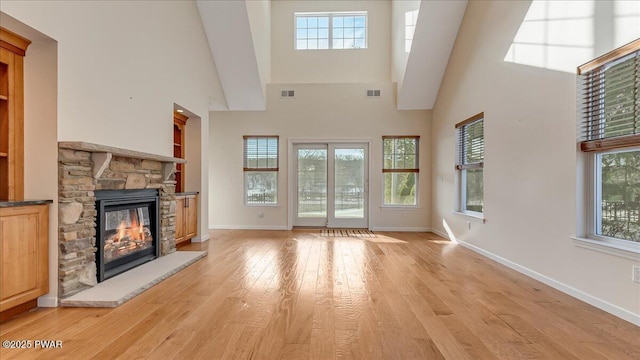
(48, 301)
(400, 228)
(284, 227)
(569, 290)
(248, 227)
(202, 238)
(441, 233)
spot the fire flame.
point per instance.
(121, 230)
(135, 232)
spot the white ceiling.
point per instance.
(228, 29)
(226, 24)
(435, 34)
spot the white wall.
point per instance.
(122, 65)
(330, 66)
(259, 12)
(109, 73)
(328, 111)
(530, 163)
(399, 56)
(197, 174)
(435, 34)
(230, 36)
(41, 143)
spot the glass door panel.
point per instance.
(311, 203)
(349, 185)
(331, 185)
(312, 182)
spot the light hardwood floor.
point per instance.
(296, 295)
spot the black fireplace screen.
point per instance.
(126, 230)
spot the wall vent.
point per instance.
(287, 93)
(373, 93)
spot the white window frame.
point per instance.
(417, 174)
(331, 15)
(461, 197)
(461, 179)
(276, 171)
(593, 144)
(594, 215)
(402, 206)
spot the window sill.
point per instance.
(262, 205)
(400, 207)
(475, 217)
(631, 251)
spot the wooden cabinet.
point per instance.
(12, 51)
(186, 217)
(180, 219)
(24, 254)
(191, 218)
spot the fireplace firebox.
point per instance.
(126, 230)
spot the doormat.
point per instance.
(347, 233)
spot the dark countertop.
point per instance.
(14, 203)
(187, 193)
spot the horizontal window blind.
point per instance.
(609, 105)
(470, 143)
(400, 153)
(260, 153)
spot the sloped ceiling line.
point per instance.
(226, 24)
(433, 40)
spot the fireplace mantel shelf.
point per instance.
(102, 154)
(85, 146)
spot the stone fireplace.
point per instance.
(89, 175)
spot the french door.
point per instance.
(332, 185)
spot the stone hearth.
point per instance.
(122, 288)
(84, 168)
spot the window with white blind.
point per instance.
(470, 165)
(321, 30)
(609, 100)
(261, 170)
(400, 170)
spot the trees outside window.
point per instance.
(400, 170)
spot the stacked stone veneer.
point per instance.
(77, 210)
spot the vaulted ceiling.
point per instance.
(435, 34)
(239, 39)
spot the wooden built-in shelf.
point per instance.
(12, 51)
(179, 123)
